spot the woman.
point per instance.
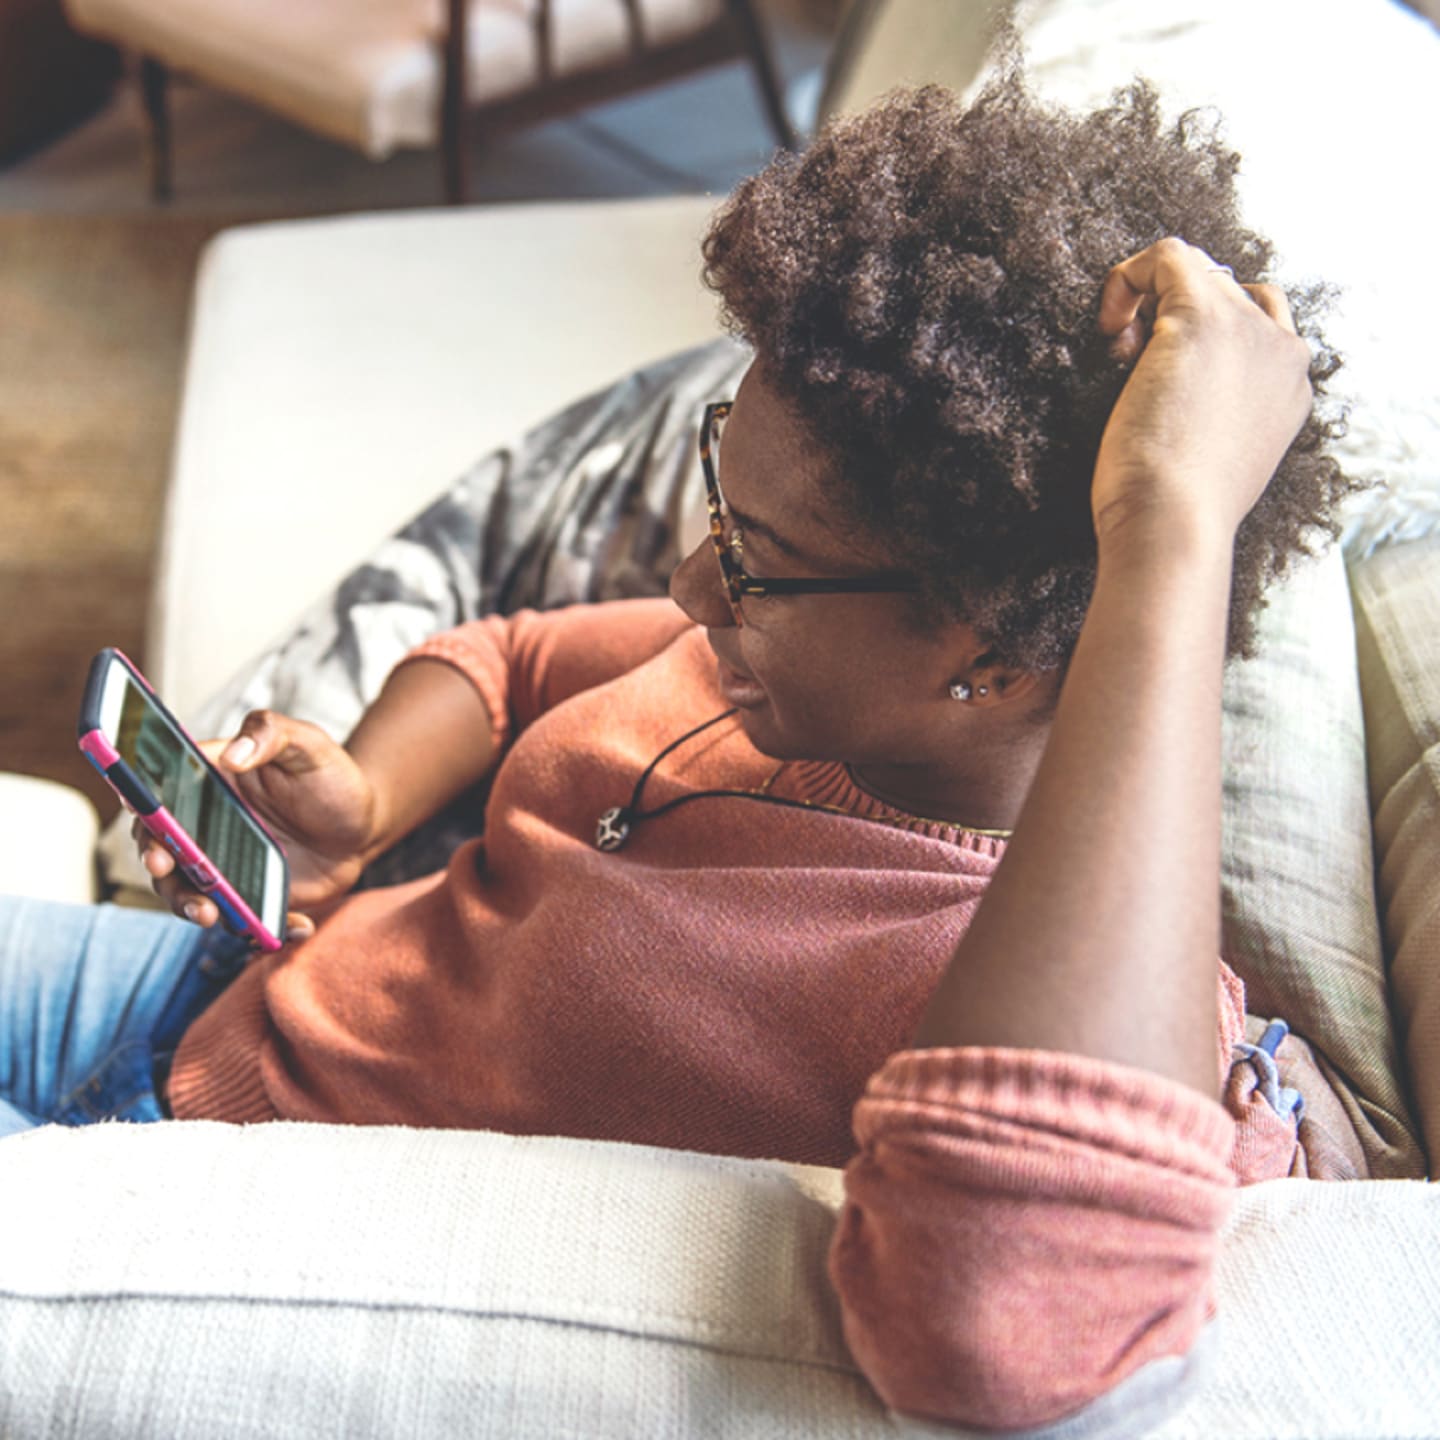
(900, 826)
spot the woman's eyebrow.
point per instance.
(751, 526)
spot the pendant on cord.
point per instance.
(613, 829)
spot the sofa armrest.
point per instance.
(430, 1282)
(47, 841)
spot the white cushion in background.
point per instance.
(369, 74)
(47, 841)
(547, 1287)
(343, 372)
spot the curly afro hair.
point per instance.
(922, 285)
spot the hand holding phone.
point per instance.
(164, 778)
(308, 791)
(295, 788)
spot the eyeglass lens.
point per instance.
(727, 550)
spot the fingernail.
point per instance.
(239, 750)
(192, 910)
(299, 932)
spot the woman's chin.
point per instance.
(767, 737)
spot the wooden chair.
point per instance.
(388, 74)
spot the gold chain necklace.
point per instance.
(948, 824)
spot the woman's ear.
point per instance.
(984, 681)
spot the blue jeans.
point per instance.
(93, 1002)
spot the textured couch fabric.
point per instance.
(1297, 859)
(429, 1282)
(1397, 625)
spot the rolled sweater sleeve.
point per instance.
(1028, 1233)
(1024, 1230)
(527, 663)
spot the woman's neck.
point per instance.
(982, 793)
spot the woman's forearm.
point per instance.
(1100, 931)
(426, 738)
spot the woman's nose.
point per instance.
(698, 588)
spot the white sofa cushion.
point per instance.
(1299, 916)
(369, 75)
(342, 372)
(313, 1281)
(47, 840)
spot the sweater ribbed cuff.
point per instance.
(1074, 1098)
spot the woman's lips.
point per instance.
(739, 689)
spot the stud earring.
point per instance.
(960, 691)
(984, 690)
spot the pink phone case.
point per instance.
(196, 865)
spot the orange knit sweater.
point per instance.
(1022, 1230)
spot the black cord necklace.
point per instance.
(613, 828)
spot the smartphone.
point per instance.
(162, 776)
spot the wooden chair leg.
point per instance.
(743, 14)
(454, 163)
(155, 101)
(454, 159)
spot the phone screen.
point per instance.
(186, 786)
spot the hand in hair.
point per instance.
(1220, 389)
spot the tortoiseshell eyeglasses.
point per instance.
(729, 541)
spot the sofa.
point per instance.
(198, 1279)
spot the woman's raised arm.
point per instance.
(1029, 1234)
(1099, 934)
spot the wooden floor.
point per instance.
(90, 357)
